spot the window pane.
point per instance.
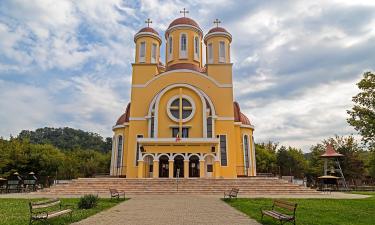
(185, 132)
(185, 102)
(223, 150)
(175, 113)
(210, 52)
(246, 150)
(153, 53)
(170, 45)
(196, 45)
(119, 151)
(186, 113)
(176, 102)
(183, 42)
(142, 50)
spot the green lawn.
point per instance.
(16, 211)
(316, 211)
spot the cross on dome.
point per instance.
(148, 21)
(217, 21)
(184, 11)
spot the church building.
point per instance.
(182, 120)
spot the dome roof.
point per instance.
(124, 118)
(217, 29)
(239, 116)
(148, 29)
(184, 21)
(188, 66)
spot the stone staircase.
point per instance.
(247, 186)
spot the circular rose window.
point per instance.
(175, 109)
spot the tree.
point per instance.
(362, 115)
(291, 162)
(67, 138)
(265, 159)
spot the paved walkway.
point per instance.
(170, 210)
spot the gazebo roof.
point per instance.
(331, 153)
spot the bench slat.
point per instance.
(46, 205)
(285, 205)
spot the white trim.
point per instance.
(183, 126)
(183, 54)
(141, 34)
(161, 93)
(142, 59)
(182, 71)
(224, 118)
(183, 140)
(136, 118)
(192, 105)
(247, 126)
(112, 168)
(117, 127)
(218, 34)
(253, 155)
(183, 26)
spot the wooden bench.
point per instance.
(282, 217)
(116, 194)
(232, 193)
(44, 210)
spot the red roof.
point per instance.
(239, 116)
(217, 29)
(188, 66)
(185, 21)
(148, 29)
(124, 118)
(330, 152)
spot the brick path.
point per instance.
(170, 210)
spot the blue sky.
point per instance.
(296, 63)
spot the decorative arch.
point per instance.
(195, 154)
(156, 100)
(165, 154)
(148, 154)
(179, 154)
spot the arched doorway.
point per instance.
(163, 166)
(194, 166)
(148, 166)
(178, 166)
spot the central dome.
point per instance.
(184, 21)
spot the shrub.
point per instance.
(88, 201)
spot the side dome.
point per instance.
(124, 118)
(239, 116)
(218, 31)
(147, 32)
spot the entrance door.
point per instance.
(194, 166)
(163, 166)
(178, 166)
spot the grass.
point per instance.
(16, 211)
(316, 211)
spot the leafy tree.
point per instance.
(291, 161)
(67, 138)
(362, 115)
(265, 159)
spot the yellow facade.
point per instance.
(182, 120)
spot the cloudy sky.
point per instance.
(296, 63)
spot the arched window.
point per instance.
(153, 53)
(170, 47)
(119, 151)
(187, 110)
(196, 48)
(246, 152)
(222, 52)
(183, 46)
(142, 52)
(210, 53)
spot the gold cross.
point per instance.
(148, 21)
(184, 12)
(217, 21)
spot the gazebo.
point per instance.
(331, 154)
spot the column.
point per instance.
(171, 163)
(155, 173)
(140, 168)
(186, 168)
(202, 169)
(217, 169)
